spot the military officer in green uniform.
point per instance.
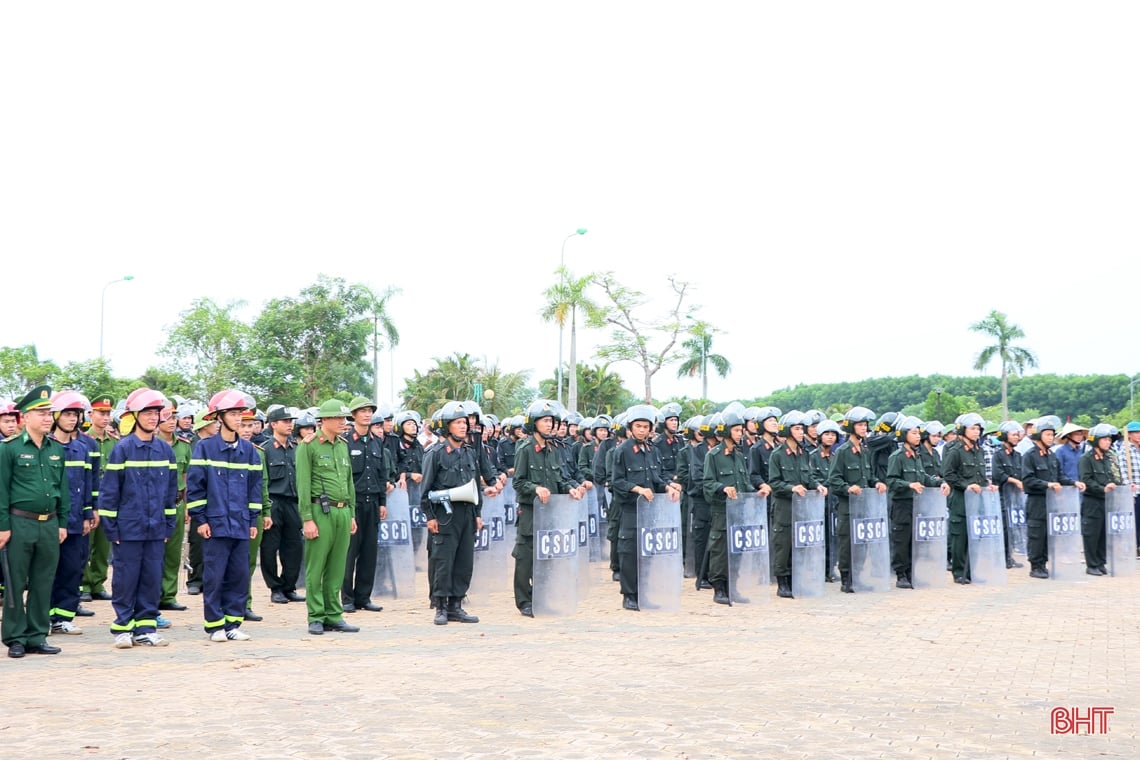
(851, 472)
(790, 474)
(327, 500)
(538, 474)
(95, 577)
(725, 477)
(172, 554)
(965, 470)
(34, 505)
(907, 476)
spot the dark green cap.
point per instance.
(37, 398)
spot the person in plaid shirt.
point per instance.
(1128, 459)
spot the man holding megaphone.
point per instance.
(453, 508)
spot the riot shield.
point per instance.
(928, 540)
(594, 525)
(1013, 501)
(659, 553)
(1120, 526)
(746, 530)
(418, 522)
(510, 513)
(870, 548)
(555, 578)
(605, 499)
(1064, 529)
(490, 570)
(985, 537)
(809, 544)
(395, 575)
(687, 539)
(583, 548)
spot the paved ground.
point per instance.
(954, 672)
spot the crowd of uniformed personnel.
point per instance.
(84, 483)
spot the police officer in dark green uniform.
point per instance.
(790, 473)
(283, 540)
(538, 474)
(327, 502)
(725, 477)
(1095, 471)
(851, 472)
(370, 471)
(905, 477)
(964, 469)
(34, 506)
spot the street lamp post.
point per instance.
(562, 281)
(103, 307)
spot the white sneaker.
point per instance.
(66, 627)
(150, 640)
(218, 635)
(124, 641)
(237, 634)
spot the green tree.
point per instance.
(21, 370)
(649, 343)
(209, 346)
(563, 299)
(997, 326)
(700, 355)
(600, 391)
(313, 346)
(383, 329)
(504, 392)
(88, 377)
(170, 383)
(453, 379)
(944, 407)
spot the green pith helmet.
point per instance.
(332, 408)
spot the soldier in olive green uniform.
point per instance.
(1095, 471)
(95, 576)
(172, 556)
(725, 477)
(965, 470)
(538, 474)
(327, 500)
(34, 506)
(906, 476)
(851, 472)
(790, 473)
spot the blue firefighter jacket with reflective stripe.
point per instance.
(138, 490)
(223, 487)
(80, 484)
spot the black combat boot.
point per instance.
(457, 613)
(845, 579)
(441, 614)
(784, 587)
(720, 594)
(903, 581)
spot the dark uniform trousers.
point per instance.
(781, 531)
(523, 552)
(702, 519)
(73, 555)
(959, 544)
(1092, 531)
(360, 567)
(717, 546)
(613, 514)
(1036, 544)
(283, 538)
(902, 515)
(194, 574)
(33, 554)
(627, 550)
(843, 532)
(451, 552)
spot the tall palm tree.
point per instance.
(996, 325)
(700, 356)
(381, 323)
(563, 300)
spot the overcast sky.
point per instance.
(847, 185)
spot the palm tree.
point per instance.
(997, 326)
(381, 322)
(700, 356)
(563, 299)
(603, 392)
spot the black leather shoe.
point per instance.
(526, 611)
(704, 585)
(720, 597)
(457, 614)
(617, 576)
(903, 582)
(370, 607)
(16, 650)
(962, 580)
(341, 627)
(99, 596)
(441, 614)
(44, 648)
(1039, 572)
(1011, 563)
(193, 590)
(278, 598)
(316, 629)
(172, 606)
(293, 596)
(85, 596)
(629, 603)
(253, 617)
(82, 611)
(1095, 571)
(349, 607)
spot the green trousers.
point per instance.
(325, 558)
(172, 556)
(33, 554)
(95, 576)
(254, 553)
